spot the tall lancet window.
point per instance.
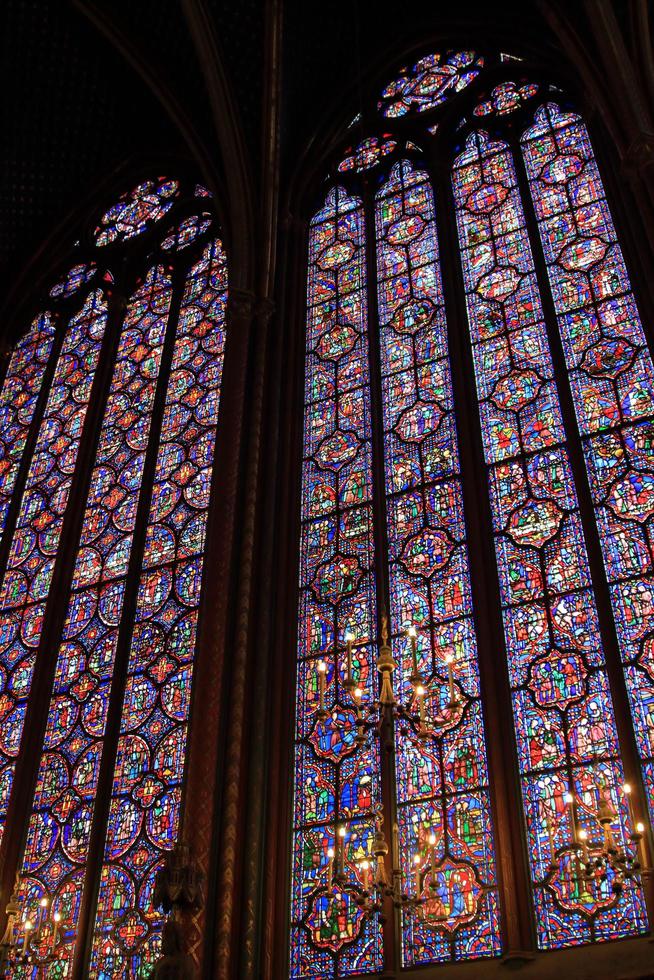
(479, 402)
(109, 419)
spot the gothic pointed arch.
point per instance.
(475, 369)
(110, 409)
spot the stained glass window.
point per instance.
(18, 399)
(73, 281)
(430, 82)
(612, 381)
(187, 232)
(60, 825)
(336, 781)
(555, 656)
(366, 154)
(506, 98)
(84, 598)
(563, 714)
(145, 803)
(30, 566)
(136, 211)
(441, 786)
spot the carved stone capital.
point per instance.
(241, 304)
(178, 883)
(639, 156)
(265, 309)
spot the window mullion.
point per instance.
(512, 864)
(380, 532)
(614, 668)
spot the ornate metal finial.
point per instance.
(386, 665)
(178, 882)
(8, 941)
(384, 628)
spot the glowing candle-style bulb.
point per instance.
(322, 669)
(449, 660)
(626, 789)
(340, 849)
(330, 868)
(27, 926)
(365, 867)
(57, 919)
(349, 640)
(570, 801)
(43, 905)
(417, 871)
(432, 852)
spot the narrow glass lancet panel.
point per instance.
(17, 403)
(442, 783)
(335, 780)
(612, 381)
(33, 552)
(59, 828)
(145, 804)
(563, 713)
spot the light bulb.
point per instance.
(416, 859)
(349, 637)
(412, 632)
(330, 852)
(568, 798)
(341, 831)
(358, 693)
(626, 788)
(583, 835)
(640, 827)
(322, 666)
(420, 691)
(57, 917)
(432, 839)
(449, 658)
